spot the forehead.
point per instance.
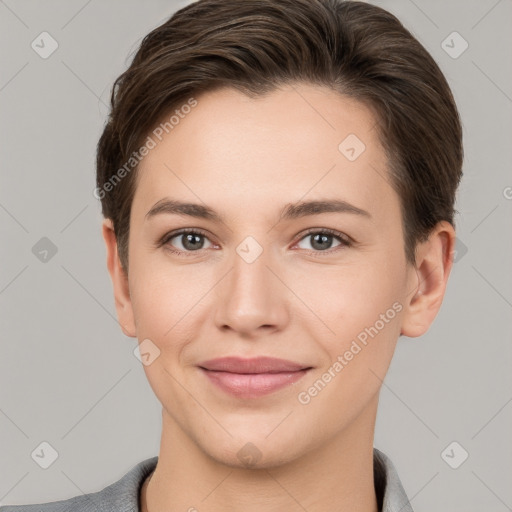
(297, 140)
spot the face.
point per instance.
(252, 270)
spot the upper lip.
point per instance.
(233, 364)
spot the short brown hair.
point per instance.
(357, 49)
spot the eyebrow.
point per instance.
(289, 211)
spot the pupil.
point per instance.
(192, 241)
(324, 239)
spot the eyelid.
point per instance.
(338, 234)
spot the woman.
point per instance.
(277, 179)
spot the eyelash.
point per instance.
(344, 239)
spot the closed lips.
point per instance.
(233, 364)
(252, 378)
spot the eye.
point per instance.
(187, 240)
(321, 240)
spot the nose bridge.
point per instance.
(251, 297)
(249, 281)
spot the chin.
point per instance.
(253, 451)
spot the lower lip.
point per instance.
(252, 385)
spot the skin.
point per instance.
(246, 158)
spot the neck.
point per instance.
(336, 476)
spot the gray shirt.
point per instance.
(123, 495)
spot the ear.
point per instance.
(119, 281)
(434, 260)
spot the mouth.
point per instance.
(252, 378)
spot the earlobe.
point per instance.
(434, 260)
(119, 281)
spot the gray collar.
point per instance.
(123, 495)
(391, 495)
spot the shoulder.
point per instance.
(121, 496)
(390, 492)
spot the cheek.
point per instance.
(365, 317)
(360, 311)
(165, 299)
(165, 306)
(341, 299)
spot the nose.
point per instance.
(251, 300)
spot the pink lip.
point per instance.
(251, 378)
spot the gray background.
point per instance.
(68, 374)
